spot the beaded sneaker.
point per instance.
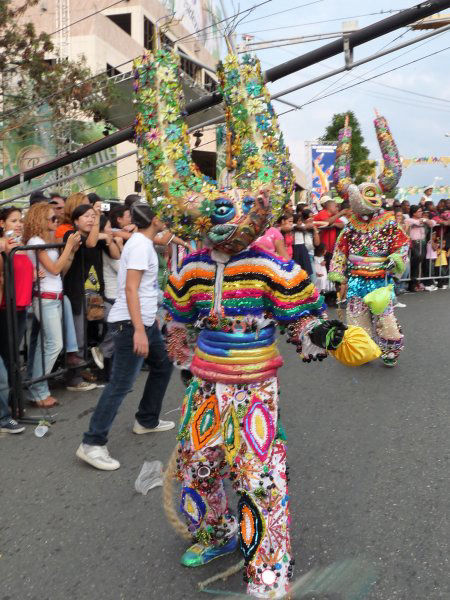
(389, 362)
(198, 554)
(11, 426)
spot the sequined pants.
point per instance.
(233, 431)
(383, 329)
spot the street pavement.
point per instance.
(369, 463)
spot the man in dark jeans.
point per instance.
(136, 338)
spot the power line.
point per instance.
(71, 86)
(284, 11)
(365, 80)
(315, 22)
(87, 17)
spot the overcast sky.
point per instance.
(419, 124)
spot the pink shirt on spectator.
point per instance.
(267, 241)
(417, 231)
(430, 252)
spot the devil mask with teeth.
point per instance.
(365, 199)
(259, 177)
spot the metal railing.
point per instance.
(17, 381)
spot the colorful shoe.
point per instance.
(199, 555)
(389, 362)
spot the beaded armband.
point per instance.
(298, 335)
(180, 344)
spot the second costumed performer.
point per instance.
(371, 248)
(224, 305)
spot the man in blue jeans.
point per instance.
(136, 338)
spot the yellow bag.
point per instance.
(357, 348)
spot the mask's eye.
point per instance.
(223, 210)
(370, 193)
(247, 204)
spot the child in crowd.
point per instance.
(306, 237)
(441, 265)
(322, 283)
(431, 256)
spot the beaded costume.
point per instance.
(371, 247)
(224, 304)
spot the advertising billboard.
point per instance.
(199, 17)
(20, 153)
(322, 164)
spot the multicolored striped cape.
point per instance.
(255, 282)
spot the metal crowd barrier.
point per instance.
(17, 381)
(426, 271)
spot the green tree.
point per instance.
(361, 168)
(35, 89)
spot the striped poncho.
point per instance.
(255, 283)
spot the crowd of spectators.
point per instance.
(65, 291)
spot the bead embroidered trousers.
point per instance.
(233, 430)
(383, 329)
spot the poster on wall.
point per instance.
(199, 17)
(21, 153)
(322, 164)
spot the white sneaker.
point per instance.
(97, 355)
(399, 305)
(444, 287)
(430, 288)
(162, 426)
(84, 386)
(98, 457)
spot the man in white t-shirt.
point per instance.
(136, 338)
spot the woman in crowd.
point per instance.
(11, 229)
(418, 234)
(286, 226)
(306, 237)
(405, 207)
(402, 286)
(273, 242)
(70, 205)
(102, 354)
(86, 220)
(39, 228)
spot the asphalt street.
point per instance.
(369, 462)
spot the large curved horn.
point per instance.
(341, 172)
(392, 170)
(258, 156)
(172, 182)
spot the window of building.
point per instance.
(123, 21)
(149, 30)
(166, 41)
(189, 67)
(210, 83)
(111, 71)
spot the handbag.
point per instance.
(95, 307)
(357, 348)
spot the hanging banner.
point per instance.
(322, 164)
(414, 190)
(425, 160)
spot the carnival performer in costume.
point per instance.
(371, 247)
(224, 305)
